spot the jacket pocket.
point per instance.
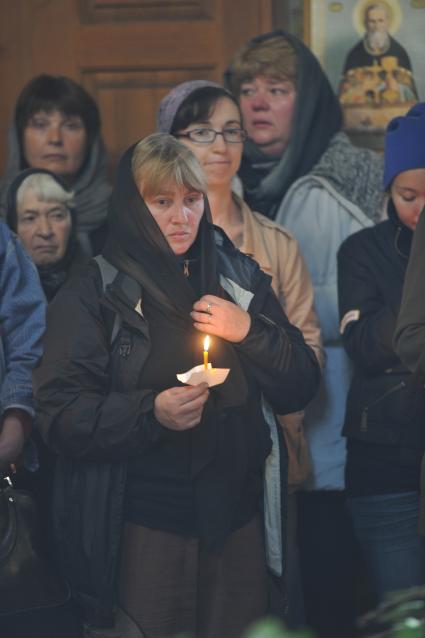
(369, 411)
(386, 409)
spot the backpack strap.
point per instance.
(108, 272)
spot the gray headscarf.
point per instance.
(171, 103)
(91, 189)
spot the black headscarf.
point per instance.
(137, 247)
(317, 117)
(52, 276)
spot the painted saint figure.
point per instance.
(377, 70)
(377, 82)
(377, 42)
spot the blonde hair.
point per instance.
(46, 189)
(274, 57)
(160, 159)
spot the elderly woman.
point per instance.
(206, 117)
(40, 209)
(56, 126)
(160, 485)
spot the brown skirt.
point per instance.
(170, 584)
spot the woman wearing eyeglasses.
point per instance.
(206, 117)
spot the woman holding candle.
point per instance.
(163, 483)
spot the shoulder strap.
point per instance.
(108, 272)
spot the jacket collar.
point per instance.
(251, 233)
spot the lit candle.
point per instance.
(206, 346)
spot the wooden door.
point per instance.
(127, 53)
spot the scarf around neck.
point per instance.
(53, 276)
(355, 173)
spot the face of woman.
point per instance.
(57, 142)
(43, 228)
(178, 211)
(268, 106)
(220, 160)
(408, 194)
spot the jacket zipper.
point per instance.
(363, 420)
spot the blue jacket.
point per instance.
(320, 218)
(22, 322)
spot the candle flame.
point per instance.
(206, 343)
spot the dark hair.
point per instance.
(48, 93)
(199, 105)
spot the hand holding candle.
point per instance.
(204, 373)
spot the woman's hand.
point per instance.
(221, 318)
(11, 441)
(181, 408)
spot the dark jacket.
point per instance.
(409, 338)
(93, 414)
(54, 276)
(384, 406)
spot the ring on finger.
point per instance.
(208, 310)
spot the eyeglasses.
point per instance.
(208, 135)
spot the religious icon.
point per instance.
(377, 82)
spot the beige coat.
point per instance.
(278, 254)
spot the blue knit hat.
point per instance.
(405, 143)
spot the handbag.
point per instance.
(28, 578)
